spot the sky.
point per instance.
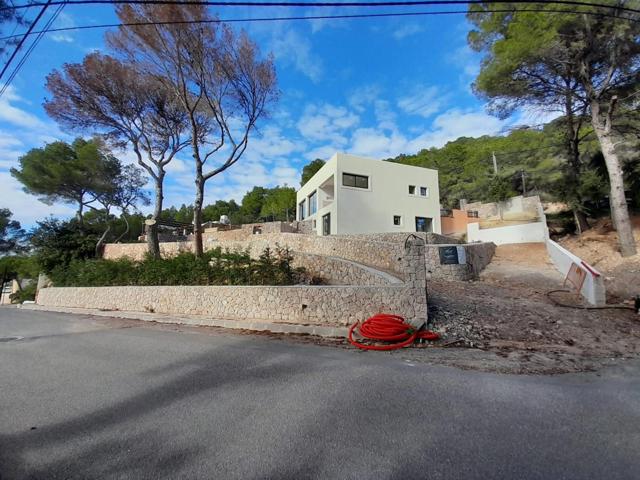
(373, 87)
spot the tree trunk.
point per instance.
(580, 219)
(617, 199)
(101, 240)
(198, 249)
(126, 230)
(153, 243)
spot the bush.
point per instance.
(215, 267)
(27, 293)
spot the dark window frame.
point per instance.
(302, 209)
(399, 217)
(313, 201)
(356, 180)
(412, 189)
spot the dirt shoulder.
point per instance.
(599, 247)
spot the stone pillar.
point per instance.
(415, 273)
(43, 282)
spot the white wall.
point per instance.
(593, 289)
(525, 233)
(371, 210)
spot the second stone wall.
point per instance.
(473, 258)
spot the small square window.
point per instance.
(412, 189)
(397, 220)
(424, 191)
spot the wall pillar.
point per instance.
(415, 273)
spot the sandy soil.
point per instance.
(599, 247)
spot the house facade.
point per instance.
(352, 194)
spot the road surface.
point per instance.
(88, 398)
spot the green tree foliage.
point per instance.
(216, 267)
(580, 65)
(500, 189)
(79, 173)
(279, 204)
(310, 169)
(252, 204)
(56, 243)
(12, 236)
(213, 212)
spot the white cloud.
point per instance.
(407, 30)
(327, 123)
(423, 101)
(63, 21)
(289, 47)
(14, 115)
(26, 208)
(454, 124)
(363, 97)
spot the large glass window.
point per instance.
(301, 210)
(358, 181)
(313, 202)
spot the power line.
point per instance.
(316, 17)
(379, 3)
(24, 38)
(30, 49)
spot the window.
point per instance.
(412, 189)
(313, 203)
(358, 181)
(397, 220)
(301, 209)
(424, 192)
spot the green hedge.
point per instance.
(215, 267)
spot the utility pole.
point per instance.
(495, 163)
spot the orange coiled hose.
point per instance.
(388, 328)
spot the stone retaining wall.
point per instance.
(317, 305)
(325, 305)
(473, 258)
(386, 256)
(338, 271)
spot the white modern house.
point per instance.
(351, 194)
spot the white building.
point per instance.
(352, 194)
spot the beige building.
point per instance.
(351, 194)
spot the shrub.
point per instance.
(27, 293)
(215, 267)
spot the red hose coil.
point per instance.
(388, 328)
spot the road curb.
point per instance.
(199, 320)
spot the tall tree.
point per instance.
(579, 65)
(129, 108)
(79, 173)
(279, 204)
(217, 76)
(12, 236)
(310, 169)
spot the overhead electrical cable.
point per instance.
(317, 17)
(24, 38)
(30, 49)
(380, 3)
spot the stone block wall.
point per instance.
(476, 257)
(338, 271)
(302, 304)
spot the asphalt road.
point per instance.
(83, 398)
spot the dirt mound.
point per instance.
(599, 247)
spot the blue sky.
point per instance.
(372, 87)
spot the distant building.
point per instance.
(351, 194)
